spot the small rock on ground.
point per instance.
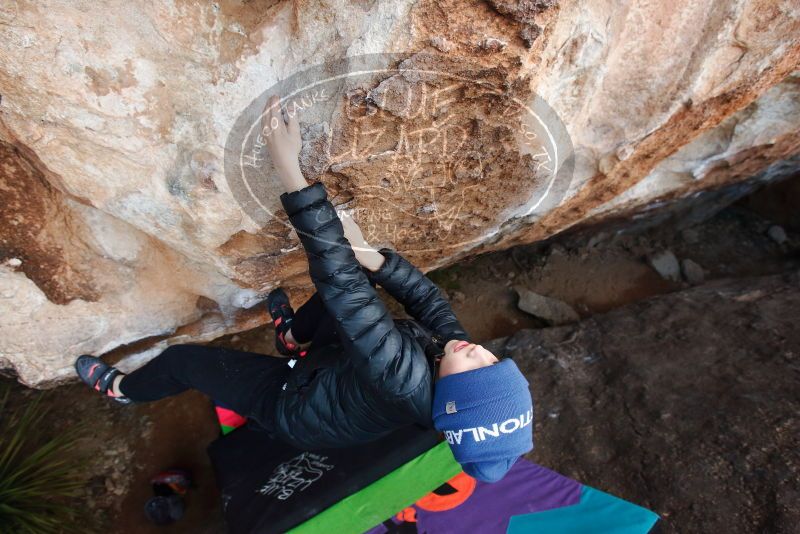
(666, 264)
(553, 311)
(692, 272)
(691, 235)
(777, 234)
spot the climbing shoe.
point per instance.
(282, 314)
(99, 376)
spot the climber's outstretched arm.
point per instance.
(366, 329)
(282, 139)
(285, 147)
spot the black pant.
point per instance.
(313, 323)
(246, 382)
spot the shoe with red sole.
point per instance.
(282, 314)
(99, 376)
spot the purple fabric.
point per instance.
(527, 488)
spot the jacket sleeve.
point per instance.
(366, 329)
(421, 298)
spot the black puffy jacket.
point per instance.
(379, 377)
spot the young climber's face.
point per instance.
(460, 356)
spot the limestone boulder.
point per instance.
(121, 225)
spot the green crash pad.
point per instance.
(383, 498)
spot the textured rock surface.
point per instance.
(118, 224)
(550, 310)
(666, 264)
(686, 403)
(692, 272)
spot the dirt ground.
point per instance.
(593, 271)
(686, 403)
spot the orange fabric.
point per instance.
(409, 515)
(464, 486)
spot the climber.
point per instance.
(359, 373)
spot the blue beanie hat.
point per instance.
(486, 415)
